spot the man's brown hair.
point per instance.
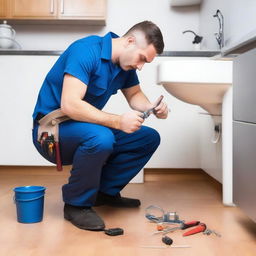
(152, 34)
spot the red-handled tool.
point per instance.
(51, 148)
(201, 228)
(189, 224)
(183, 225)
(58, 158)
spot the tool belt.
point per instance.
(48, 134)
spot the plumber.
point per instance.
(105, 150)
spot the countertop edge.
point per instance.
(241, 46)
(29, 52)
(164, 54)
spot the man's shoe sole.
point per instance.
(97, 228)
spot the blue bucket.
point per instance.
(29, 203)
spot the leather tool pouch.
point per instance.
(48, 134)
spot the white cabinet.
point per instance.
(245, 132)
(20, 80)
(210, 152)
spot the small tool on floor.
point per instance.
(210, 231)
(201, 228)
(164, 217)
(114, 231)
(147, 113)
(182, 226)
(169, 242)
(161, 226)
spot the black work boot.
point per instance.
(116, 201)
(83, 217)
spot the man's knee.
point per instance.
(154, 137)
(151, 138)
(102, 142)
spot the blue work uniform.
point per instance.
(103, 159)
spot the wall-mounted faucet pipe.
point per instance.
(197, 39)
(220, 36)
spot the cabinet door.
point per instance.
(20, 78)
(31, 9)
(210, 153)
(82, 9)
(3, 8)
(244, 172)
(244, 87)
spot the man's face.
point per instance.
(136, 53)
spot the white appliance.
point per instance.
(7, 36)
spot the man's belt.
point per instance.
(48, 134)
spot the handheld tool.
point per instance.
(148, 112)
(182, 226)
(114, 231)
(200, 228)
(48, 134)
(169, 242)
(210, 231)
(168, 217)
(51, 148)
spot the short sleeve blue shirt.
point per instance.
(89, 60)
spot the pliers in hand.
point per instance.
(148, 112)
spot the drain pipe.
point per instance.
(217, 133)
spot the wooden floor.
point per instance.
(193, 195)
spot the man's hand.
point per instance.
(131, 121)
(161, 111)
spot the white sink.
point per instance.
(199, 82)
(206, 83)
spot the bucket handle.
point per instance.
(27, 200)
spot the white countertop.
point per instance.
(242, 44)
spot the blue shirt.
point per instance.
(89, 60)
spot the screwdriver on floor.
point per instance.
(182, 226)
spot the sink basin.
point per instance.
(198, 82)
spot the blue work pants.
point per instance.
(102, 159)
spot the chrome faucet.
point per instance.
(220, 36)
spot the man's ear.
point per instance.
(130, 40)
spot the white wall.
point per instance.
(179, 133)
(179, 146)
(239, 20)
(121, 15)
